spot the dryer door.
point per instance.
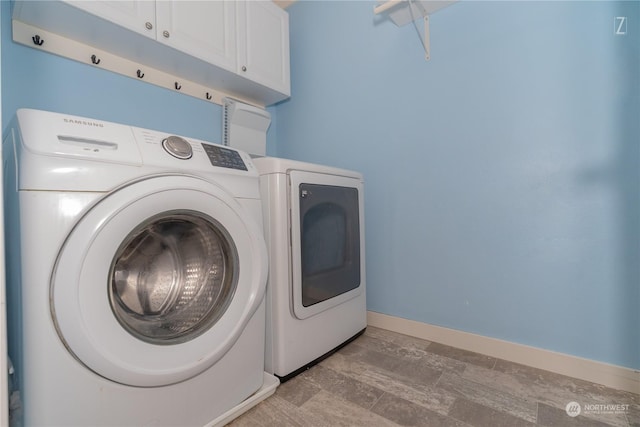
(158, 280)
(327, 233)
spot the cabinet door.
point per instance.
(263, 31)
(135, 15)
(203, 29)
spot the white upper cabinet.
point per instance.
(203, 29)
(239, 47)
(263, 44)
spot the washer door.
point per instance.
(158, 280)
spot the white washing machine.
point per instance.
(314, 227)
(136, 274)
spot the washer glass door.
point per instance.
(173, 277)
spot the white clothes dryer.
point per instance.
(136, 273)
(314, 228)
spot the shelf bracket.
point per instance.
(427, 39)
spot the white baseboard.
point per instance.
(617, 377)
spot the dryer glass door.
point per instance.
(327, 241)
(330, 241)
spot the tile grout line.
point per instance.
(439, 378)
(377, 400)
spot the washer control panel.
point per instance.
(224, 157)
(172, 151)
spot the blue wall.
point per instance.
(502, 176)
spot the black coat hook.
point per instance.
(37, 40)
(178, 86)
(95, 59)
(140, 74)
(208, 96)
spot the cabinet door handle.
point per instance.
(166, 34)
(149, 26)
(244, 68)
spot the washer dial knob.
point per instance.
(177, 147)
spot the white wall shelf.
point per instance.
(403, 12)
(47, 41)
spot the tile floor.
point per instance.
(388, 379)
